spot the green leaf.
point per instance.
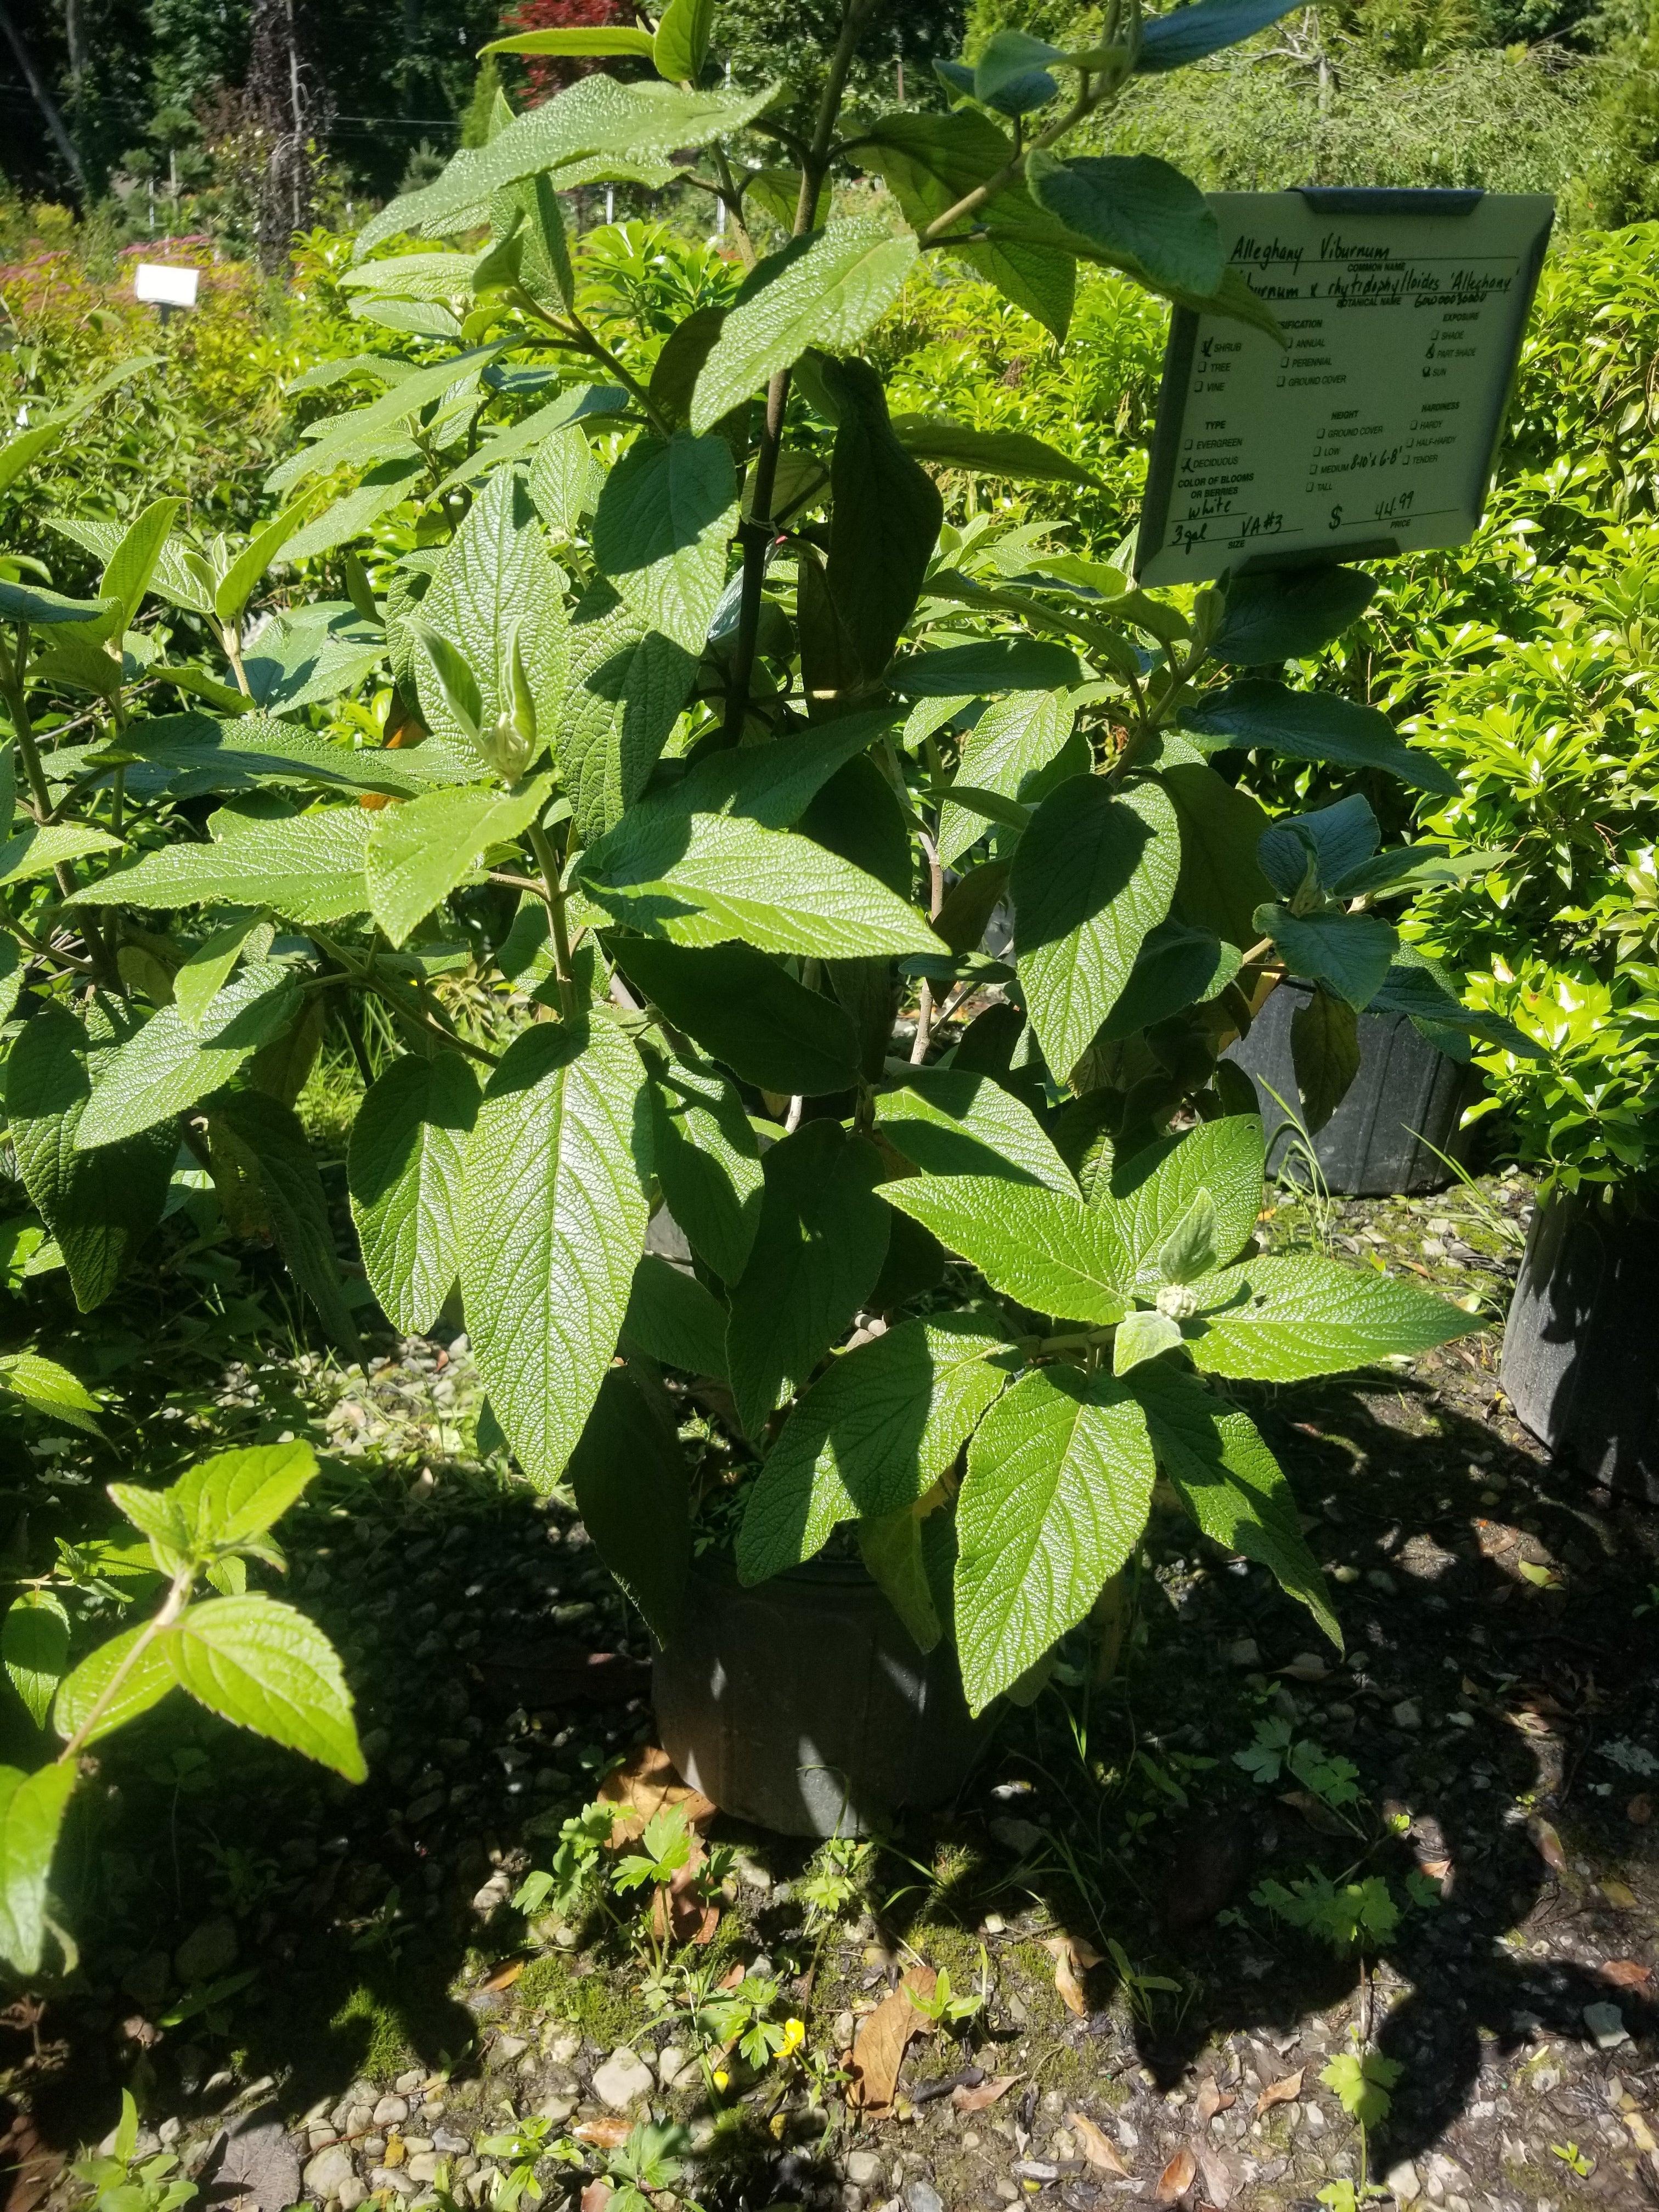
(871, 1437)
(236, 587)
(127, 575)
(884, 518)
(1190, 1248)
(1175, 967)
(1015, 454)
(771, 783)
(498, 582)
(1058, 1491)
(404, 1172)
(150, 1680)
(204, 755)
(707, 1160)
(36, 851)
(34, 1645)
(235, 1497)
(99, 1206)
(1418, 985)
(1352, 952)
(197, 982)
(32, 1808)
(598, 39)
(673, 1320)
(561, 482)
(1336, 840)
(1231, 1483)
(48, 1388)
(1146, 1196)
(167, 1066)
(681, 44)
(1325, 1054)
(969, 903)
(818, 1252)
(553, 1219)
(1311, 725)
(365, 432)
(824, 289)
(629, 1475)
(1186, 35)
(742, 1008)
(1288, 614)
(1093, 875)
(1139, 207)
(309, 867)
(1043, 1246)
(263, 1666)
(958, 672)
(292, 1192)
(932, 161)
(419, 852)
(859, 815)
(1009, 74)
(1142, 1335)
(949, 1120)
(1221, 884)
(1012, 740)
(385, 486)
(29, 602)
(891, 1550)
(661, 530)
(627, 687)
(716, 877)
(1282, 1319)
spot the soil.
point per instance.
(293, 1973)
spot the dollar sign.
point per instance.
(1336, 518)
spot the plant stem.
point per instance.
(925, 996)
(1087, 100)
(547, 861)
(174, 1603)
(755, 534)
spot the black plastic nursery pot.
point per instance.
(803, 1705)
(1581, 1347)
(1372, 1146)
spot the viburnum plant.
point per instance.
(769, 775)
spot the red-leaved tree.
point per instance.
(547, 74)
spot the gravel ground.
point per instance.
(324, 1993)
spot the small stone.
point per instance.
(922, 2196)
(1243, 1653)
(1607, 2024)
(624, 2077)
(864, 2168)
(392, 2177)
(1406, 1715)
(754, 1874)
(561, 2044)
(328, 2173)
(555, 2108)
(451, 2145)
(390, 2112)
(352, 2194)
(423, 2166)
(318, 2139)
(359, 2118)
(406, 2084)
(1382, 1581)
(844, 2026)
(673, 2066)
(506, 2049)
(207, 1952)
(170, 2131)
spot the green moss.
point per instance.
(388, 2052)
(603, 2004)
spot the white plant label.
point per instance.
(1371, 430)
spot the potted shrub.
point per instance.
(742, 829)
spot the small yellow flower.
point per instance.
(794, 2034)
(722, 2079)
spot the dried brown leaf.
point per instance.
(1547, 1845)
(647, 1783)
(1627, 1973)
(1213, 2099)
(1436, 1869)
(986, 2094)
(878, 2047)
(1220, 2184)
(1620, 1895)
(1285, 2091)
(1177, 2177)
(1639, 1809)
(596, 2195)
(504, 1976)
(1071, 1956)
(604, 2135)
(1096, 2147)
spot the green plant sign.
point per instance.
(768, 756)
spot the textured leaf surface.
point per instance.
(292, 1188)
(148, 1680)
(743, 1008)
(673, 1319)
(950, 1120)
(818, 1252)
(1015, 454)
(1043, 1246)
(34, 1645)
(1352, 952)
(1313, 726)
(884, 518)
(826, 294)
(627, 685)
(49, 1389)
(167, 1065)
(419, 851)
(1093, 875)
(234, 1496)
(871, 1437)
(707, 1161)
(32, 1808)
(1012, 740)
(1221, 884)
(1325, 1054)
(258, 1663)
(497, 580)
(310, 868)
(1231, 1484)
(404, 1172)
(1175, 967)
(661, 530)
(1058, 1491)
(1148, 1194)
(629, 1476)
(1186, 35)
(100, 1206)
(1281, 1318)
(1135, 205)
(959, 673)
(36, 851)
(553, 1220)
(1289, 616)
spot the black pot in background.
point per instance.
(1406, 1089)
(804, 1707)
(1581, 1347)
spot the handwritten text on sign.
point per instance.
(1373, 425)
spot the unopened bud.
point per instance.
(1177, 1301)
(505, 748)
